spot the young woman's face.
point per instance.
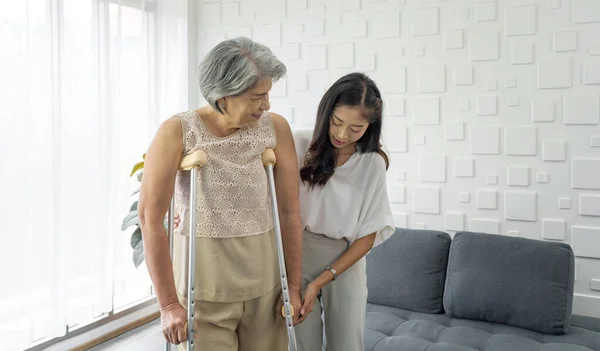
(247, 108)
(346, 126)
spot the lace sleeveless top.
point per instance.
(232, 189)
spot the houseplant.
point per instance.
(132, 218)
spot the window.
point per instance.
(84, 85)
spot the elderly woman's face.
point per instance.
(247, 108)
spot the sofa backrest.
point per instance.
(521, 282)
(409, 270)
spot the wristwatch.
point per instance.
(333, 271)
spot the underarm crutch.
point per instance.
(269, 160)
(192, 162)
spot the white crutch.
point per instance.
(287, 310)
(192, 162)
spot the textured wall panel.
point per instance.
(585, 241)
(554, 73)
(455, 221)
(367, 62)
(425, 21)
(518, 176)
(582, 108)
(520, 20)
(387, 25)
(565, 41)
(395, 135)
(394, 104)
(341, 55)
(543, 111)
(482, 225)
(432, 168)
(520, 205)
(464, 167)
(432, 79)
(453, 39)
(484, 140)
(522, 54)
(397, 193)
(426, 200)
(487, 199)
(487, 105)
(484, 46)
(316, 57)
(589, 205)
(455, 130)
(586, 11)
(521, 140)
(554, 150)
(426, 110)
(554, 229)
(542, 177)
(491, 179)
(496, 103)
(565, 203)
(485, 11)
(591, 72)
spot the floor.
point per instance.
(147, 338)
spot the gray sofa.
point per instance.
(428, 291)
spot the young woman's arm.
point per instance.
(353, 254)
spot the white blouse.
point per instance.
(353, 203)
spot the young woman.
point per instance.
(345, 212)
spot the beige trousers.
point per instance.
(344, 299)
(237, 290)
(239, 326)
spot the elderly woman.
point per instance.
(237, 275)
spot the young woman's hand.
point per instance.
(176, 221)
(310, 296)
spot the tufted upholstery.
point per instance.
(394, 329)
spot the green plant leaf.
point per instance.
(144, 157)
(134, 206)
(138, 254)
(136, 237)
(135, 191)
(131, 219)
(137, 167)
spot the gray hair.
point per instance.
(233, 66)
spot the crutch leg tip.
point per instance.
(268, 157)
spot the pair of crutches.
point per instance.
(193, 162)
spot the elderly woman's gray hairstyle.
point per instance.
(234, 66)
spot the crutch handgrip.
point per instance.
(195, 159)
(291, 311)
(268, 157)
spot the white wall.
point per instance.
(492, 108)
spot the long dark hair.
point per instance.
(355, 90)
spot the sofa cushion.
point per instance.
(516, 281)
(408, 270)
(393, 329)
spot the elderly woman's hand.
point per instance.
(173, 319)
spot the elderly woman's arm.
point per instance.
(160, 168)
(287, 188)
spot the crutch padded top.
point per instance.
(195, 159)
(268, 157)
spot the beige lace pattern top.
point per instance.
(232, 189)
